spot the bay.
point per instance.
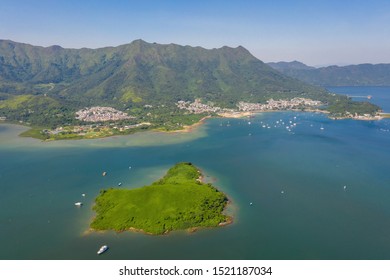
(294, 177)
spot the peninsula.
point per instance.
(178, 201)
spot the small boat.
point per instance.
(102, 249)
(78, 204)
(345, 187)
(250, 204)
(119, 184)
(104, 173)
(83, 194)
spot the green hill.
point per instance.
(177, 201)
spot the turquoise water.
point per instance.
(295, 180)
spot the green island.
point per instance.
(178, 201)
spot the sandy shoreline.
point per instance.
(237, 115)
(189, 128)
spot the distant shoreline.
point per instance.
(234, 115)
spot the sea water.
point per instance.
(301, 186)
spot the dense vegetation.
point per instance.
(345, 106)
(177, 201)
(44, 87)
(352, 75)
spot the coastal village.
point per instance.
(104, 120)
(104, 124)
(101, 114)
(95, 130)
(197, 107)
(247, 108)
(274, 105)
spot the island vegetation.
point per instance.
(178, 201)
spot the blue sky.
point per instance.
(314, 32)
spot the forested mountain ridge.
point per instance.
(351, 75)
(141, 69)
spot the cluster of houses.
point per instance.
(281, 104)
(83, 129)
(197, 107)
(101, 114)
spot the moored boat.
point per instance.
(102, 249)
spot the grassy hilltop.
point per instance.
(177, 201)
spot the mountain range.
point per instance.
(47, 85)
(351, 75)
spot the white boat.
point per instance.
(102, 249)
(78, 204)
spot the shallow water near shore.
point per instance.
(293, 176)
